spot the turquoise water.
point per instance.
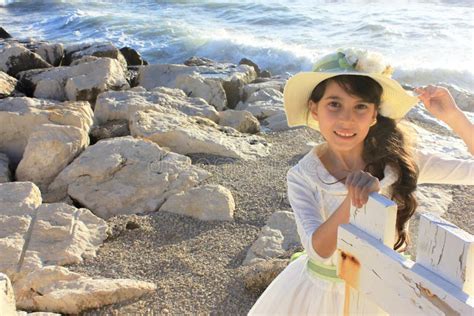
(426, 41)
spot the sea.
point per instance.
(425, 41)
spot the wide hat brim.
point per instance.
(395, 102)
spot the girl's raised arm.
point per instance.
(439, 102)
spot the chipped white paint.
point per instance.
(398, 285)
(446, 250)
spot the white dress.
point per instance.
(297, 290)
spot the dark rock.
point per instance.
(265, 74)
(246, 61)
(114, 128)
(199, 61)
(4, 34)
(132, 76)
(78, 51)
(132, 57)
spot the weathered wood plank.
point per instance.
(397, 285)
(377, 218)
(446, 250)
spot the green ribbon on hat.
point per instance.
(334, 62)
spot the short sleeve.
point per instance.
(306, 207)
(435, 168)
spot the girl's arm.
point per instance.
(439, 102)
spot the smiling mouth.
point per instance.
(345, 135)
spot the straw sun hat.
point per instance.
(395, 102)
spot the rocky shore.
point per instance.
(134, 188)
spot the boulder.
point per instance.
(184, 134)
(276, 123)
(121, 105)
(15, 58)
(49, 150)
(263, 103)
(81, 82)
(207, 202)
(267, 86)
(277, 238)
(35, 235)
(199, 61)
(7, 297)
(51, 53)
(132, 57)
(210, 90)
(7, 85)
(125, 175)
(243, 121)
(5, 175)
(84, 59)
(105, 49)
(232, 77)
(59, 290)
(4, 34)
(246, 61)
(464, 99)
(19, 117)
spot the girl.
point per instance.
(351, 99)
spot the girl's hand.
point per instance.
(439, 102)
(359, 184)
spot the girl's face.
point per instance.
(344, 120)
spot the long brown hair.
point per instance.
(385, 144)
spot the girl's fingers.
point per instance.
(362, 190)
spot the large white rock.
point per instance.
(263, 103)
(49, 150)
(7, 297)
(277, 237)
(125, 175)
(51, 52)
(7, 85)
(232, 77)
(59, 290)
(121, 105)
(276, 123)
(19, 117)
(207, 202)
(5, 175)
(15, 58)
(18, 199)
(210, 90)
(82, 82)
(267, 86)
(183, 134)
(243, 121)
(106, 49)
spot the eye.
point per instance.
(334, 105)
(362, 106)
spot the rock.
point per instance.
(246, 61)
(57, 289)
(277, 122)
(464, 99)
(82, 82)
(207, 202)
(7, 297)
(132, 57)
(51, 53)
(273, 90)
(106, 49)
(35, 235)
(84, 59)
(277, 238)
(121, 105)
(5, 175)
(199, 61)
(184, 135)
(7, 85)
(19, 117)
(4, 34)
(49, 150)
(15, 58)
(124, 176)
(257, 277)
(243, 121)
(265, 74)
(110, 129)
(231, 77)
(210, 90)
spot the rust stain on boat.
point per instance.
(349, 270)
